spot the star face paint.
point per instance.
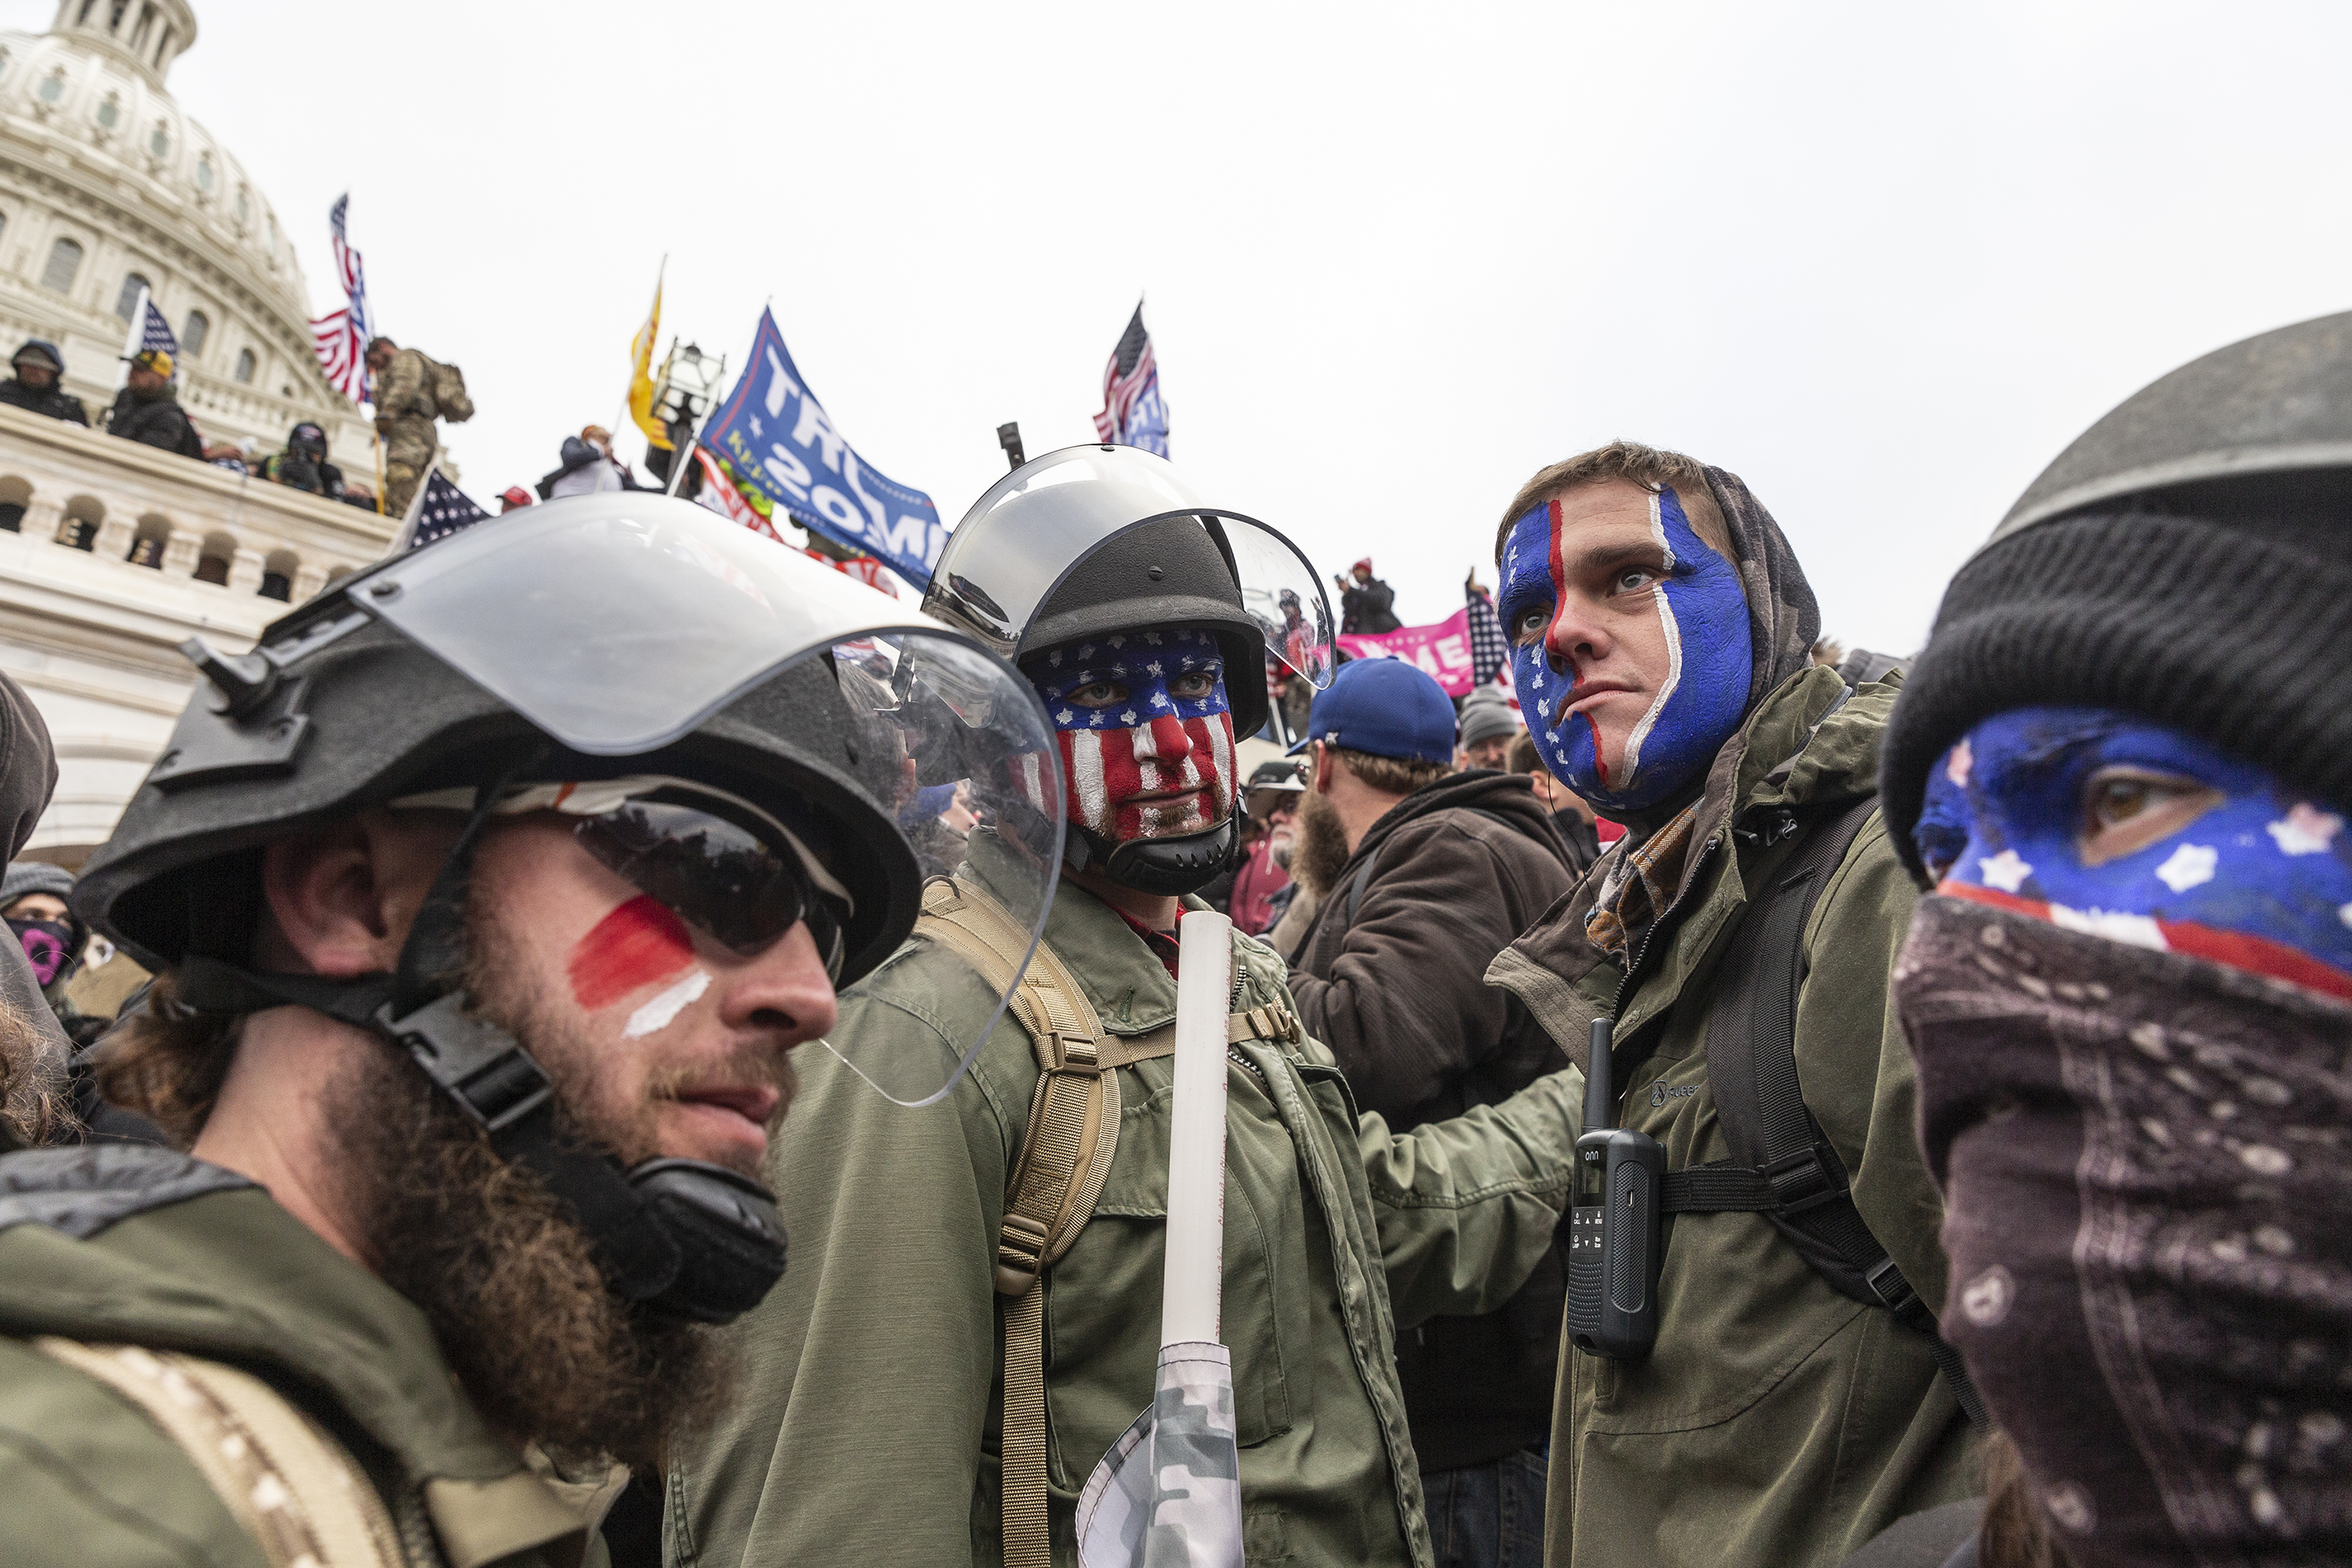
(2100, 821)
(636, 945)
(1697, 693)
(1145, 731)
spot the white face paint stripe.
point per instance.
(1632, 760)
(1087, 780)
(1221, 750)
(658, 1012)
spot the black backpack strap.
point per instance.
(1360, 880)
(1782, 1166)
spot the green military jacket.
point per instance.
(1778, 1421)
(866, 1424)
(130, 1245)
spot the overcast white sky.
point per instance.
(1883, 261)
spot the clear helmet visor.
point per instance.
(1019, 541)
(618, 624)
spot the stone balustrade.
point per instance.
(93, 636)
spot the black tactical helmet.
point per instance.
(615, 638)
(1095, 541)
(2189, 557)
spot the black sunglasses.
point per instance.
(725, 874)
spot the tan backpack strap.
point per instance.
(290, 1486)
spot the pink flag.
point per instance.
(1441, 651)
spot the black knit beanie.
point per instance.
(2223, 610)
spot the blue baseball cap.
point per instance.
(1385, 707)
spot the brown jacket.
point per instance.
(1396, 986)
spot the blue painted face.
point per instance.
(1632, 661)
(2103, 822)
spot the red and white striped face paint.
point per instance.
(1145, 731)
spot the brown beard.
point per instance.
(1321, 850)
(497, 1264)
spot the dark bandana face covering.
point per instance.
(2146, 1161)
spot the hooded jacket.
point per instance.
(122, 1246)
(1777, 1421)
(53, 400)
(1398, 991)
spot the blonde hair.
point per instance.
(1389, 775)
(1649, 467)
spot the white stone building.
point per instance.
(110, 553)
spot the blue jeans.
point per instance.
(1491, 1515)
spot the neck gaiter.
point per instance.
(2146, 1162)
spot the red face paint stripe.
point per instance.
(639, 942)
(2190, 938)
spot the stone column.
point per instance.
(114, 538)
(181, 554)
(307, 582)
(42, 519)
(245, 571)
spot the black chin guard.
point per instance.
(1166, 867)
(730, 1240)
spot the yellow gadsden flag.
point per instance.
(641, 378)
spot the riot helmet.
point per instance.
(734, 730)
(1104, 543)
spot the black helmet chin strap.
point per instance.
(690, 1240)
(1166, 868)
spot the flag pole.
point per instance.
(132, 340)
(622, 413)
(378, 437)
(679, 461)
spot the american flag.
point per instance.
(443, 509)
(155, 332)
(1133, 413)
(341, 339)
(1489, 648)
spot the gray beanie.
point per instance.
(28, 876)
(1486, 715)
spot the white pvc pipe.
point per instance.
(1191, 1294)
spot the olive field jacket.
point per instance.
(864, 1426)
(1777, 1421)
(133, 1245)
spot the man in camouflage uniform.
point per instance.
(404, 413)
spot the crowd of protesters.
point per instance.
(1983, 1014)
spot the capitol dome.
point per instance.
(106, 184)
(113, 554)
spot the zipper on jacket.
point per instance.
(1650, 937)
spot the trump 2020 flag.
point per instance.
(783, 448)
(1133, 412)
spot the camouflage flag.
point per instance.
(1169, 1493)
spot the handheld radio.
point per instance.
(1613, 1252)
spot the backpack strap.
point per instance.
(1066, 1155)
(292, 1488)
(1782, 1166)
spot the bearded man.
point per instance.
(1019, 1275)
(473, 1013)
(1797, 1398)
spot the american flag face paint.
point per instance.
(1145, 731)
(1696, 697)
(2109, 824)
